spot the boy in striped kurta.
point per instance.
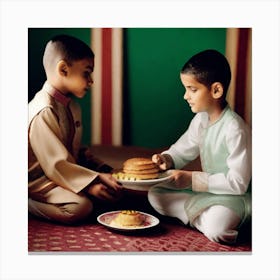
(215, 200)
(62, 177)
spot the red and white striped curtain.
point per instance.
(239, 54)
(107, 44)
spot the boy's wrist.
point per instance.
(105, 168)
(168, 161)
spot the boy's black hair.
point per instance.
(73, 48)
(208, 67)
(69, 48)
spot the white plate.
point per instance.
(144, 185)
(106, 218)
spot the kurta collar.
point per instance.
(56, 94)
(205, 118)
(221, 116)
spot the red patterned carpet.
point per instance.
(168, 236)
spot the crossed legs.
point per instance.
(60, 205)
(218, 223)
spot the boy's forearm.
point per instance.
(87, 160)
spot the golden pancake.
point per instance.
(128, 218)
(140, 169)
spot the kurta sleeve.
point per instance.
(238, 176)
(57, 163)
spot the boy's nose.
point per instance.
(186, 96)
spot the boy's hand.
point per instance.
(182, 179)
(105, 187)
(163, 161)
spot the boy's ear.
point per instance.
(62, 68)
(217, 90)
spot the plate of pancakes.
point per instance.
(140, 174)
(128, 220)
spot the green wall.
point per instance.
(155, 114)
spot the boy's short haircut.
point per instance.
(208, 67)
(65, 47)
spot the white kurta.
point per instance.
(224, 148)
(225, 153)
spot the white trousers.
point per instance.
(218, 223)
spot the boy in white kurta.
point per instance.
(214, 200)
(61, 176)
